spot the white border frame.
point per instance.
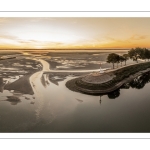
(75, 14)
(75, 135)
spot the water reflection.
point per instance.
(45, 80)
(100, 99)
(79, 100)
(48, 78)
(114, 94)
(138, 83)
(13, 100)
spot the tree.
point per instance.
(117, 59)
(148, 55)
(122, 59)
(112, 58)
(135, 53)
(144, 54)
(126, 57)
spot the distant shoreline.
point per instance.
(66, 50)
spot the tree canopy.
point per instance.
(126, 57)
(134, 54)
(112, 58)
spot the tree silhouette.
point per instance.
(135, 53)
(122, 59)
(113, 58)
(126, 57)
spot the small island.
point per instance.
(105, 82)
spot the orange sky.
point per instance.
(79, 33)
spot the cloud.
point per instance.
(131, 39)
(138, 37)
(128, 42)
(42, 44)
(8, 37)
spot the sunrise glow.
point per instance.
(70, 33)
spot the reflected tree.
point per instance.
(114, 94)
(137, 83)
(125, 86)
(140, 81)
(13, 100)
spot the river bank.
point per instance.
(121, 76)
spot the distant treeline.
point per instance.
(134, 54)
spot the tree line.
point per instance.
(134, 54)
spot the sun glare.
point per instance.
(74, 32)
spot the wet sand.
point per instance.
(22, 85)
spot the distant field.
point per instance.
(80, 60)
(9, 53)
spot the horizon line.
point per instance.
(63, 49)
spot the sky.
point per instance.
(74, 33)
